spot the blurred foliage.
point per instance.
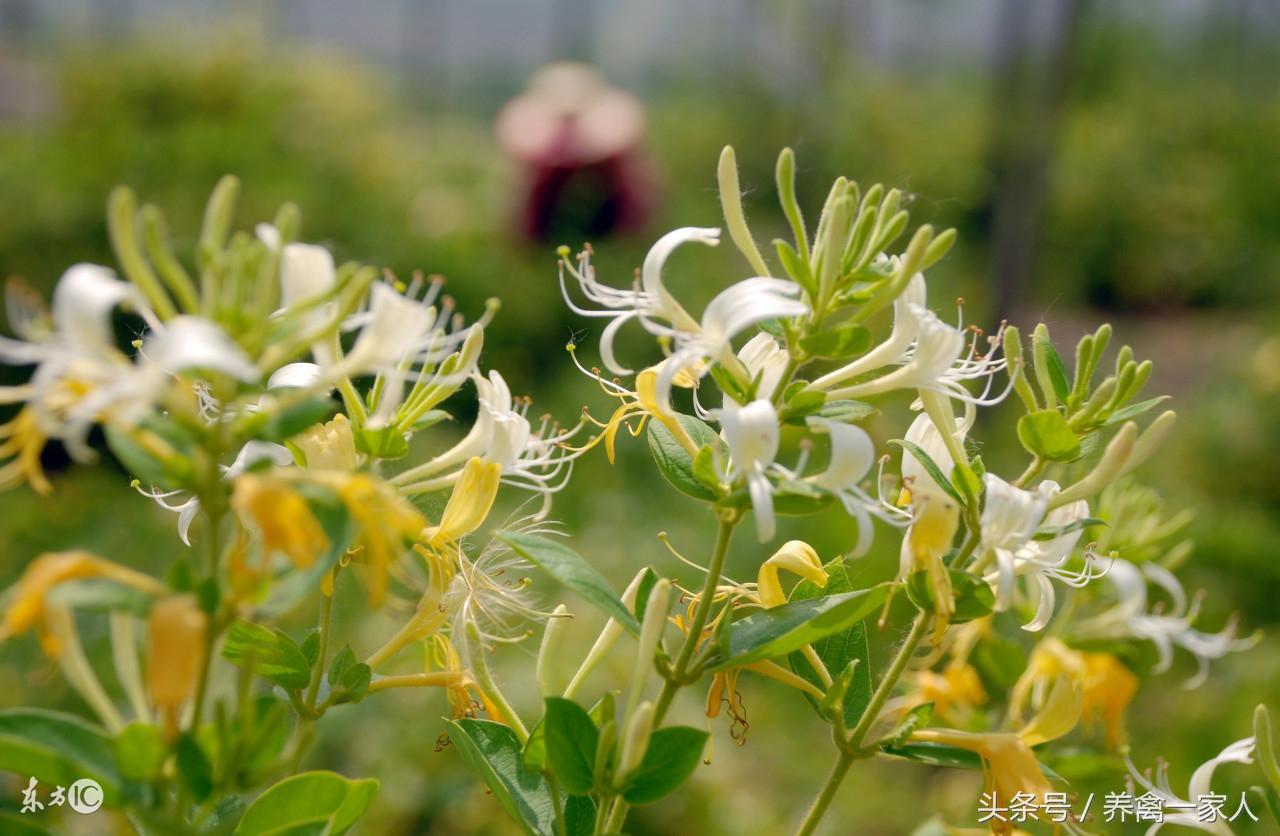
(1165, 193)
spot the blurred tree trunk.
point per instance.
(1031, 80)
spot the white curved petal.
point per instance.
(82, 304)
(306, 272)
(189, 342)
(852, 454)
(651, 271)
(295, 376)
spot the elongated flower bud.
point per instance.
(551, 637)
(636, 742)
(175, 649)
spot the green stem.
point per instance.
(1033, 470)
(326, 619)
(851, 747)
(617, 815)
(675, 680)
(823, 801)
(556, 805)
(888, 682)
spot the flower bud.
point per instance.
(636, 741)
(175, 650)
(550, 644)
(329, 446)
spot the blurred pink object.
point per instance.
(580, 142)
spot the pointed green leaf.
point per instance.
(672, 756)
(775, 632)
(569, 567)
(571, 744)
(310, 802)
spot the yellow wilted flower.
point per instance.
(281, 517)
(470, 502)
(385, 519)
(175, 650)
(1009, 764)
(954, 692)
(22, 441)
(329, 446)
(797, 557)
(1109, 687)
(26, 609)
(1050, 661)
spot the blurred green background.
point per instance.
(1101, 161)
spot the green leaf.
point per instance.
(801, 403)
(1133, 410)
(493, 751)
(973, 597)
(569, 567)
(1076, 525)
(310, 802)
(193, 767)
(672, 756)
(1000, 661)
(56, 748)
(838, 649)
(170, 474)
(579, 816)
(781, 630)
(281, 425)
(383, 443)
(675, 462)
(535, 748)
(931, 467)
(916, 718)
(101, 595)
(842, 341)
(140, 751)
(271, 653)
(936, 754)
(847, 412)
(348, 677)
(571, 744)
(1047, 434)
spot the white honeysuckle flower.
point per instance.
(296, 376)
(894, 350)
(1045, 561)
(254, 452)
(924, 434)
(733, 310)
(1010, 517)
(187, 343)
(649, 300)
(1185, 811)
(936, 361)
(307, 271)
(763, 357)
(536, 460)
(394, 329)
(1166, 627)
(852, 455)
(752, 435)
(74, 351)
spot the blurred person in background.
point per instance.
(579, 142)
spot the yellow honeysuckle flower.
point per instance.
(935, 519)
(329, 446)
(1050, 661)
(469, 504)
(643, 404)
(22, 442)
(797, 557)
(280, 516)
(26, 608)
(1109, 687)
(1008, 761)
(175, 649)
(386, 521)
(954, 692)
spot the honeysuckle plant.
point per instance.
(293, 414)
(289, 411)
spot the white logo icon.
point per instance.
(85, 795)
